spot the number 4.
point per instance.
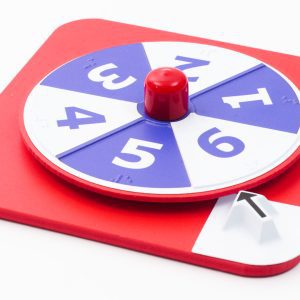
(73, 121)
(146, 159)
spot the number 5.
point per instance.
(146, 159)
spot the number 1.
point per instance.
(262, 95)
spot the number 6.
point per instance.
(146, 158)
(211, 147)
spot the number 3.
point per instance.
(108, 80)
(146, 159)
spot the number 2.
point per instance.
(146, 159)
(190, 63)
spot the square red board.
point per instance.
(32, 195)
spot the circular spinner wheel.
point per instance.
(86, 122)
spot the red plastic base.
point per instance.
(30, 194)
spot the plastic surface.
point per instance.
(85, 121)
(30, 194)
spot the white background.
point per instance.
(37, 264)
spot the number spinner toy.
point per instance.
(163, 143)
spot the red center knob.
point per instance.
(166, 94)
